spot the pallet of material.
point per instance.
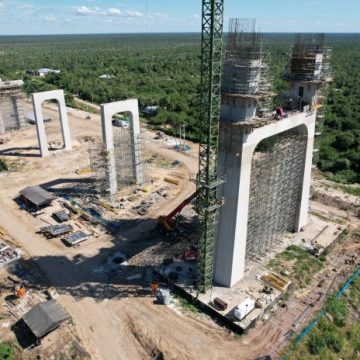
(8, 255)
(75, 238)
(276, 281)
(56, 230)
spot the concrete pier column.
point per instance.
(232, 227)
(108, 139)
(305, 197)
(38, 99)
(2, 125)
(237, 146)
(64, 123)
(40, 127)
(107, 112)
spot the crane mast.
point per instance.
(210, 103)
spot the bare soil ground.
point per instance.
(116, 319)
(113, 321)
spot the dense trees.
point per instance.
(163, 70)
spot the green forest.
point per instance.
(164, 70)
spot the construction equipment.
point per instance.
(20, 291)
(210, 103)
(167, 222)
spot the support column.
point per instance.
(64, 123)
(305, 197)
(38, 99)
(235, 163)
(2, 124)
(20, 113)
(235, 160)
(40, 127)
(107, 112)
(108, 138)
(135, 134)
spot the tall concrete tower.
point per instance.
(265, 157)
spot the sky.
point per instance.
(149, 16)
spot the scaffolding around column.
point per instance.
(125, 162)
(12, 115)
(275, 192)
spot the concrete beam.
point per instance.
(37, 100)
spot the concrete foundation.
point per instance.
(237, 145)
(38, 99)
(107, 112)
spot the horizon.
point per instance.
(171, 33)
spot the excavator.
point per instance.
(168, 223)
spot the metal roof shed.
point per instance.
(45, 317)
(37, 196)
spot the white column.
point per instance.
(107, 112)
(40, 127)
(232, 228)
(38, 99)
(135, 127)
(65, 130)
(305, 197)
(2, 124)
(235, 162)
(108, 138)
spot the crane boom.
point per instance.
(210, 102)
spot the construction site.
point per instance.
(117, 223)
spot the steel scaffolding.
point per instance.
(125, 161)
(244, 60)
(12, 115)
(246, 70)
(310, 59)
(275, 192)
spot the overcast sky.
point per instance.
(127, 16)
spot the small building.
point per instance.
(75, 238)
(45, 71)
(106, 76)
(61, 216)
(150, 110)
(45, 318)
(36, 196)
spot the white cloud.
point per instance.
(115, 12)
(85, 10)
(51, 19)
(24, 6)
(124, 13)
(2, 5)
